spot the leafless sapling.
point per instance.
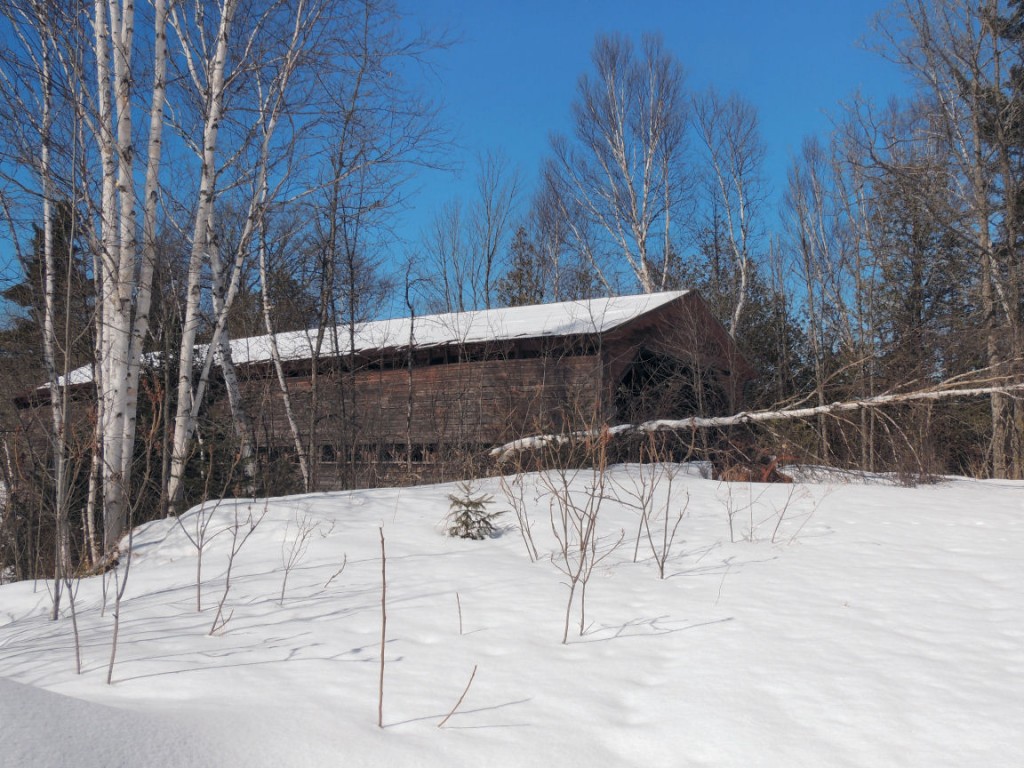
(199, 537)
(120, 585)
(793, 494)
(294, 550)
(638, 489)
(574, 514)
(514, 489)
(672, 517)
(241, 530)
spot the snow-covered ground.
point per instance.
(883, 626)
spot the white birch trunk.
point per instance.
(239, 417)
(270, 112)
(57, 413)
(113, 501)
(92, 539)
(187, 405)
(729, 132)
(144, 292)
(125, 289)
(282, 382)
(189, 400)
(121, 276)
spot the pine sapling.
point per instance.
(470, 517)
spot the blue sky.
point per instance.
(510, 81)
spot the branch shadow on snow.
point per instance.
(652, 627)
(294, 654)
(463, 713)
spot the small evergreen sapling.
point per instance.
(469, 517)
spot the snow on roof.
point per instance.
(565, 318)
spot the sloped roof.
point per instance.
(567, 318)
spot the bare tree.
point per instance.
(498, 189)
(120, 585)
(378, 128)
(267, 69)
(574, 516)
(88, 103)
(962, 55)
(465, 240)
(38, 41)
(734, 155)
(241, 529)
(126, 276)
(451, 261)
(643, 490)
(84, 67)
(295, 547)
(514, 489)
(819, 236)
(564, 244)
(623, 169)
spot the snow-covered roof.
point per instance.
(567, 318)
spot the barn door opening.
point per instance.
(657, 386)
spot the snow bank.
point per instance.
(845, 625)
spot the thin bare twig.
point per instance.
(459, 702)
(383, 626)
(337, 573)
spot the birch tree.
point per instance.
(226, 77)
(623, 167)
(123, 263)
(565, 240)
(734, 153)
(261, 54)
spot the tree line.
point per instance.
(180, 173)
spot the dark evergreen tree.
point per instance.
(22, 339)
(525, 282)
(770, 337)
(922, 289)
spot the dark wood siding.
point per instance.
(479, 402)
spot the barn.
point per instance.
(425, 397)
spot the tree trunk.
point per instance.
(188, 398)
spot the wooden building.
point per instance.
(419, 398)
(426, 394)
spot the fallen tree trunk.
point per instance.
(535, 442)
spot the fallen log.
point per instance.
(535, 442)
